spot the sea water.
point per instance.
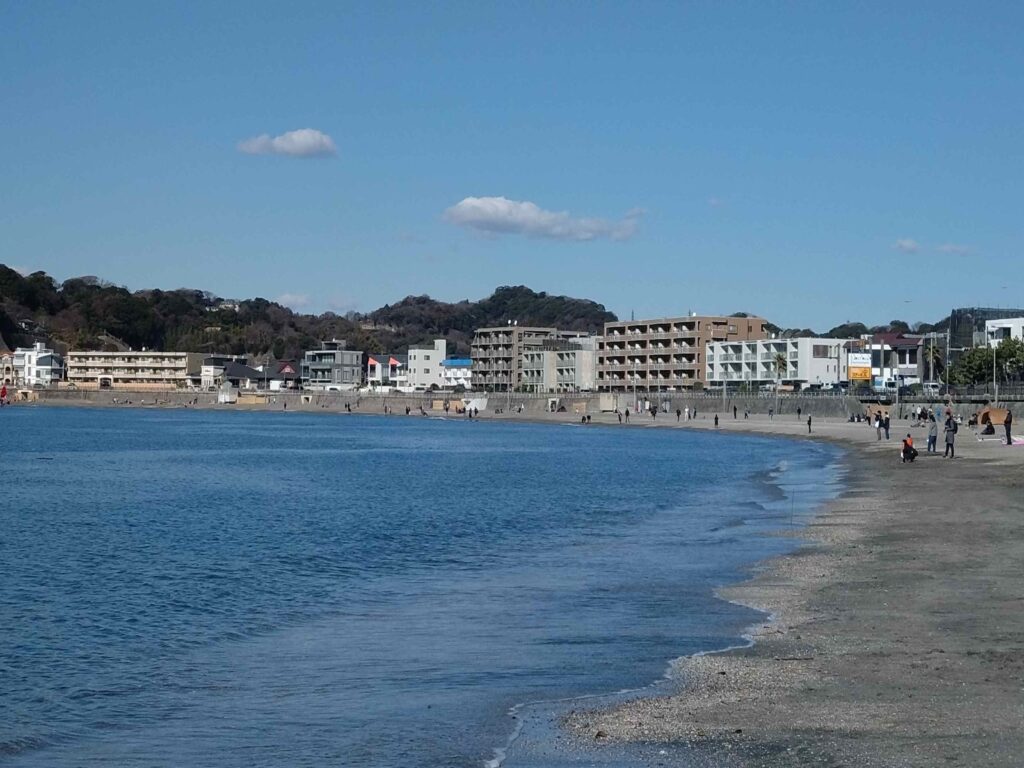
(189, 588)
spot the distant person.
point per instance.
(735, 411)
(908, 452)
(878, 424)
(687, 412)
(1008, 423)
(679, 415)
(950, 430)
(885, 425)
(716, 421)
(799, 410)
(619, 414)
(933, 433)
(627, 415)
(693, 413)
(771, 414)
(588, 418)
(808, 425)
(746, 413)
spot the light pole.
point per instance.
(995, 381)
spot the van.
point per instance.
(767, 387)
(932, 388)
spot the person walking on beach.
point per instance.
(878, 425)
(950, 430)
(687, 412)
(885, 425)
(619, 414)
(734, 412)
(771, 414)
(808, 425)
(679, 415)
(1008, 423)
(627, 415)
(716, 421)
(933, 433)
(799, 410)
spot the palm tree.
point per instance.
(781, 365)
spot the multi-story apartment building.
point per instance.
(561, 365)
(386, 370)
(665, 355)
(497, 353)
(425, 369)
(799, 363)
(332, 367)
(997, 330)
(144, 369)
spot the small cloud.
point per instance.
(305, 142)
(907, 245)
(716, 202)
(293, 300)
(501, 216)
(955, 250)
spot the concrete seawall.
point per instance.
(706, 405)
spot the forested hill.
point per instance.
(89, 313)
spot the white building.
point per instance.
(388, 371)
(425, 365)
(567, 365)
(144, 369)
(798, 363)
(458, 372)
(997, 330)
(36, 366)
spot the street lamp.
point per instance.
(995, 381)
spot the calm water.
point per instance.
(231, 589)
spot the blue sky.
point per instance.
(811, 162)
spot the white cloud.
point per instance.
(907, 245)
(305, 142)
(501, 216)
(293, 300)
(954, 249)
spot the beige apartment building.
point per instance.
(497, 354)
(665, 355)
(133, 370)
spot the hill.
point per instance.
(87, 312)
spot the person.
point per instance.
(716, 421)
(679, 414)
(878, 424)
(735, 411)
(619, 414)
(950, 430)
(746, 413)
(808, 425)
(933, 433)
(799, 410)
(627, 415)
(908, 452)
(588, 418)
(771, 414)
(687, 412)
(1008, 423)
(885, 425)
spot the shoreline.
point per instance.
(893, 636)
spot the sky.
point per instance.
(810, 162)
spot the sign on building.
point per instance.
(859, 366)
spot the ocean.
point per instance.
(207, 588)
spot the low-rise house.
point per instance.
(241, 376)
(284, 375)
(458, 372)
(799, 363)
(387, 371)
(333, 367)
(36, 366)
(211, 372)
(896, 359)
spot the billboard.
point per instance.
(858, 366)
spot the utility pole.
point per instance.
(995, 381)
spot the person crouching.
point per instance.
(908, 452)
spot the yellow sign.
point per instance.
(860, 374)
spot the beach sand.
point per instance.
(896, 635)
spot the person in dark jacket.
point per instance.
(1008, 423)
(950, 430)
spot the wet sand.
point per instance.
(896, 635)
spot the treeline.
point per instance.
(90, 313)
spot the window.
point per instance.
(820, 351)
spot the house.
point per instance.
(36, 366)
(333, 367)
(457, 372)
(387, 371)
(895, 359)
(284, 375)
(241, 376)
(211, 371)
(800, 362)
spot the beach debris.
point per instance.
(600, 735)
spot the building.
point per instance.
(497, 353)
(561, 365)
(458, 372)
(284, 375)
(387, 371)
(36, 366)
(896, 359)
(332, 367)
(799, 363)
(998, 330)
(425, 366)
(145, 369)
(7, 375)
(211, 372)
(665, 355)
(967, 326)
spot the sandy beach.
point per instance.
(895, 637)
